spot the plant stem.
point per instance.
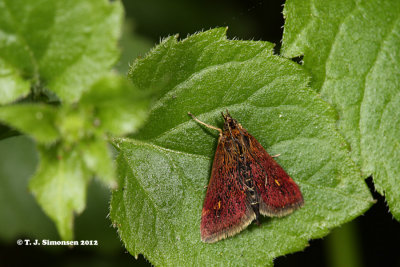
(343, 249)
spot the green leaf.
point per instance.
(163, 176)
(12, 85)
(352, 50)
(60, 185)
(74, 124)
(37, 120)
(97, 158)
(63, 46)
(115, 105)
(20, 214)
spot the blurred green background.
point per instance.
(370, 240)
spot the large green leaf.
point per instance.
(163, 173)
(352, 50)
(63, 46)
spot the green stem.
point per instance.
(343, 247)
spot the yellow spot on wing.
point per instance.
(276, 181)
(218, 205)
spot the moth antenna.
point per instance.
(205, 124)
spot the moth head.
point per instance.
(230, 123)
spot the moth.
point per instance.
(245, 182)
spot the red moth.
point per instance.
(245, 182)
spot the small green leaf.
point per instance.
(73, 124)
(163, 176)
(60, 185)
(352, 50)
(12, 85)
(97, 158)
(37, 120)
(20, 214)
(115, 105)
(63, 46)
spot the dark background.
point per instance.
(370, 240)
